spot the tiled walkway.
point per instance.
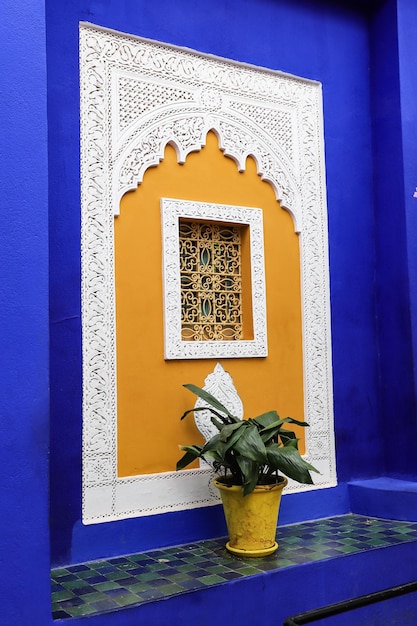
(107, 585)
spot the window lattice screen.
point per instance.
(211, 281)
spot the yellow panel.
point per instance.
(150, 396)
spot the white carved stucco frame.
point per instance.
(175, 347)
(137, 96)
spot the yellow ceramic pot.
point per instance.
(251, 520)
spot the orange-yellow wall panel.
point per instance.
(150, 397)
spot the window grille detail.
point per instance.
(211, 281)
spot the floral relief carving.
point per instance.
(220, 384)
(136, 96)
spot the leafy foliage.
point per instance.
(248, 452)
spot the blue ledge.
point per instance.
(317, 563)
(388, 498)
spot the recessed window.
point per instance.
(211, 281)
(214, 280)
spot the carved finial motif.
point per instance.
(220, 384)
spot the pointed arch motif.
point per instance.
(136, 97)
(238, 139)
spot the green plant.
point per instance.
(248, 452)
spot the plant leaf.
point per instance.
(212, 444)
(291, 420)
(191, 453)
(270, 435)
(288, 437)
(250, 474)
(227, 430)
(218, 460)
(250, 445)
(273, 425)
(232, 439)
(272, 431)
(211, 400)
(267, 419)
(219, 425)
(288, 461)
(206, 408)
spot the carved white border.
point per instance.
(137, 96)
(175, 348)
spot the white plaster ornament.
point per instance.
(136, 97)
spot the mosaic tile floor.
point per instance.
(108, 585)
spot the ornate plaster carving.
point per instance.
(137, 96)
(220, 384)
(175, 347)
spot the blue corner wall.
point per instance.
(393, 211)
(24, 551)
(407, 46)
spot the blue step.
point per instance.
(384, 497)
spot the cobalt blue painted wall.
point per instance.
(317, 40)
(314, 39)
(24, 549)
(407, 29)
(393, 194)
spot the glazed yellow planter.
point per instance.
(251, 520)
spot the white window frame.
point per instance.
(172, 211)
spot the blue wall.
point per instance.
(371, 176)
(331, 45)
(24, 315)
(407, 29)
(394, 126)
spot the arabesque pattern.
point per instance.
(211, 282)
(137, 96)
